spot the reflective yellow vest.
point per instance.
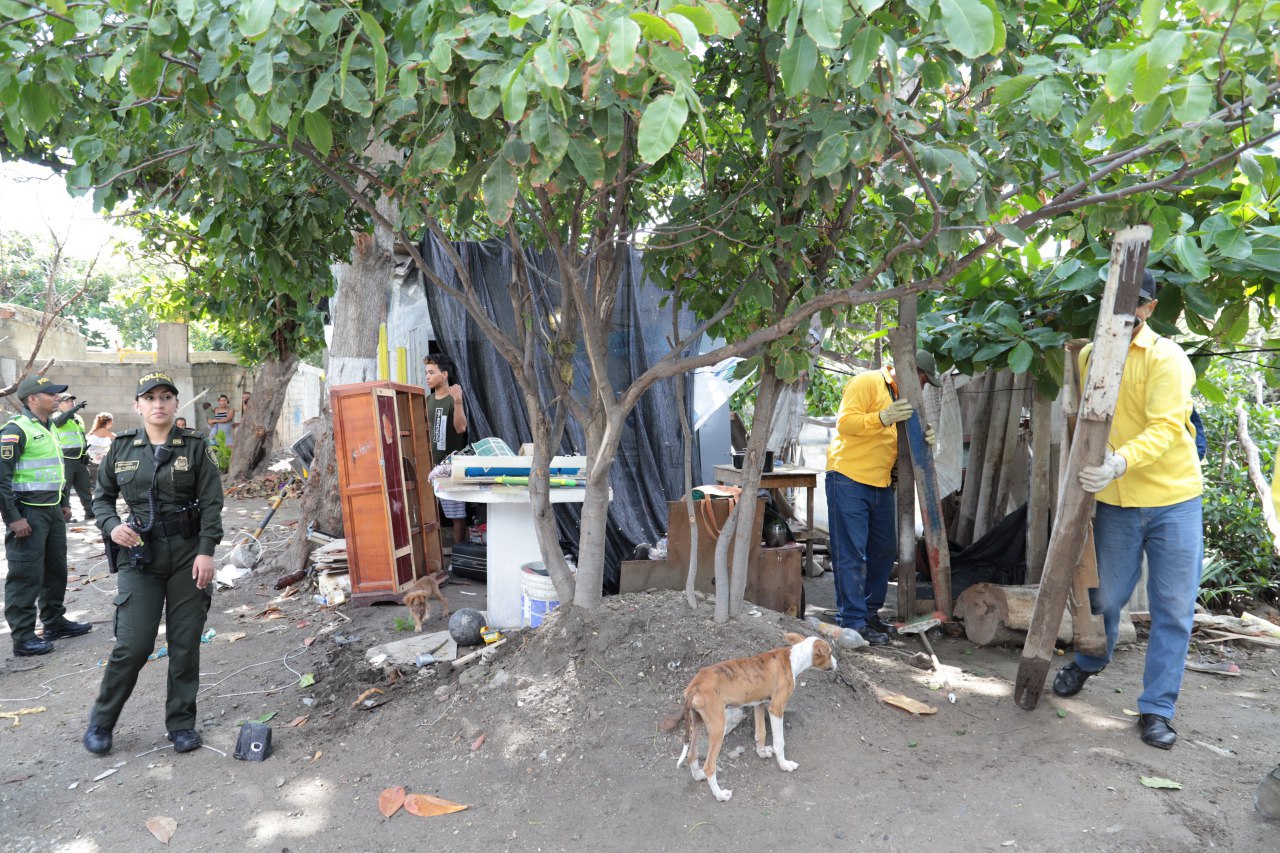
(71, 438)
(39, 469)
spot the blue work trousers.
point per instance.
(1173, 539)
(863, 522)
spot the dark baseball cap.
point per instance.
(926, 364)
(38, 385)
(1147, 290)
(154, 380)
(66, 396)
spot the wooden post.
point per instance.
(906, 496)
(984, 386)
(902, 342)
(1001, 397)
(1097, 406)
(1013, 471)
(1038, 497)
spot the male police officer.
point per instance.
(35, 508)
(69, 428)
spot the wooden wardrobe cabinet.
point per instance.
(388, 507)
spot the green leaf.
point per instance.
(266, 718)
(1158, 782)
(726, 20)
(1194, 297)
(1012, 89)
(345, 62)
(968, 25)
(1020, 358)
(548, 136)
(261, 73)
(1151, 16)
(145, 73)
(1045, 101)
(656, 29)
(515, 96)
(1013, 234)
(306, 680)
(1120, 73)
(701, 18)
(588, 160)
(38, 105)
(550, 63)
(688, 30)
(255, 17)
(87, 20)
(319, 132)
(499, 188)
(439, 153)
(1211, 392)
(1193, 259)
(320, 95)
(997, 20)
(584, 27)
(1192, 103)
(831, 155)
(660, 126)
(1148, 80)
(822, 21)
(798, 61)
(1233, 243)
(377, 38)
(624, 35)
(863, 53)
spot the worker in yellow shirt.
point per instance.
(1148, 488)
(861, 509)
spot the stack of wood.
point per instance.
(331, 557)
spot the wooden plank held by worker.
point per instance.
(1093, 426)
(906, 507)
(902, 341)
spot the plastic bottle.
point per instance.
(207, 636)
(322, 600)
(845, 638)
(1267, 798)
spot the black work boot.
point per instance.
(1070, 679)
(185, 740)
(1156, 731)
(64, 628)
(34, 646)
(97, 739)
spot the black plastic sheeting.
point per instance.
(999, 557)
(649, 467)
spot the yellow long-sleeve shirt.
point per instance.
(864, 449)
(1150, 428)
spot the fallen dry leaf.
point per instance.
(289, 592)
(304, 623)
(906, 703)
(297, 721)
(478, 742)
(231, 638)
(316, 757)
(365, 695)
(269, 612)
(390, 800)
(308, 641)
(162, 828)
(425, 805)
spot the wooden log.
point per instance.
(1090, 634)
(1038, 493)
(902, 341)
(995, 615)
(1097, 406)
(982, 388)
(1001, 397)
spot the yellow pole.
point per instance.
(402, 365)
(384, 371)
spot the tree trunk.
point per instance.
(359, 307)
(255, 435)
(997, 615)
(1254, 464)
(722, 562)
(743, 547)
(905, 494)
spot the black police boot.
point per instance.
(1156, 731)
(185, 740)
(1070, 680)
(34, 646)
(876, 623)
(64, 628)
(97, 739)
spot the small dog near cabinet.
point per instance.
(735, 685)
(418, 600)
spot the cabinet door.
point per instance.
(393, 482)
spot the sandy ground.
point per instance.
(557, 742)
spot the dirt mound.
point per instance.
(622, 665)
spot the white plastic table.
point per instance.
(510, 543)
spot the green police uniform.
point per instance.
(31, 487)
(163, 586)
(69, 430)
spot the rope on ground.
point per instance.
(46, 685)
(284, 660)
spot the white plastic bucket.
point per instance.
(538, 596)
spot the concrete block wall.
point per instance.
(20, 326)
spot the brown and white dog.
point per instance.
(733, 685)
(418, 600)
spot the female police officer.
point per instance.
(164, 553)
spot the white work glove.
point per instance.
(931, 438)
(899, 410)
(1095, 478)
